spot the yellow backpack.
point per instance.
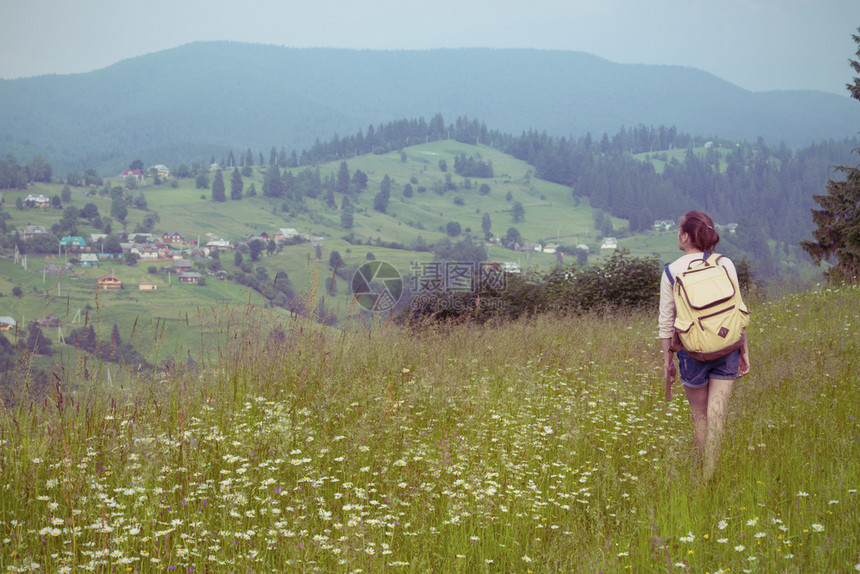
(710, 315)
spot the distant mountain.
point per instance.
(201, 99)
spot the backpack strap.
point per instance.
(669, 275)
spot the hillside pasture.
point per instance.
(535, 446)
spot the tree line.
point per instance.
(749, 183)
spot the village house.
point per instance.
(609, 243)
(189, 277)
(75, 242)
(148, 251)
(147, 287)
(7, 323)
(141, 237)
(173, 238)
(97, 239)
(135, 173)
(161, 170)
(108, 282)
(38, 200)
(728, 227)
(31, 231)
(50, 321)
(264, 237)
(285, 234)
(51, 269)
(89, 260)
(217, 244)
(181, 265)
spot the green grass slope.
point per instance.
(535, 446)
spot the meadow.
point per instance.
(541, 445)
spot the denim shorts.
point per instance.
(695, 374)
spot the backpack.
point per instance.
(710, 315)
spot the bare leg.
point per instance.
(698, 399)
(718, 402)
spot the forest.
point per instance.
(750, 183)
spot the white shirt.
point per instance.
(667, 300)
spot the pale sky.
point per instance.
(756, 44)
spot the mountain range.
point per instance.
(199, 100)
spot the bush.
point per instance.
(621, 283)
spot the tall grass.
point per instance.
(542, 445)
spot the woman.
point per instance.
(707, 385)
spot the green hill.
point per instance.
(402, 236)
(551, 215)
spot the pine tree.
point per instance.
(236, 185)
(838, 221)
(518, 212)
(218, 189)
(272, 184)
(343, 178)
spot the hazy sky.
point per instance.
(756, 44)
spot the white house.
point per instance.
(609, 243)
(220, 244)
(284, 234)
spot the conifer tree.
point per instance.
(236, 185)
(838, 220)
(218, 189)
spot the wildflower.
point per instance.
(818, 527)
(740, 547)
(760, 534)
(688, 538)
(802, 494)
(722, 540)
(752, 522)
(526, 558)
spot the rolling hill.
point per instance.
(202, 99)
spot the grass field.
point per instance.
(535, 446)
